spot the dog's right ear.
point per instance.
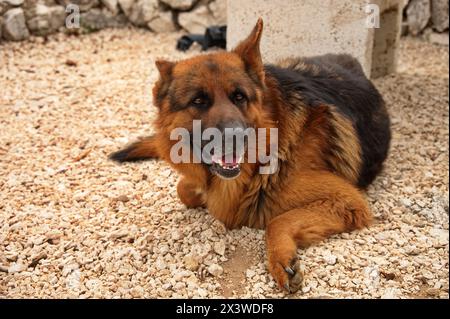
(161, 87)
(165, 69)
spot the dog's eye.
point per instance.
(200, 101)
(239, 97)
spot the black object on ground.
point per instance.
(215, 36)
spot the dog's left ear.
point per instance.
(164, 68)
(249, 51)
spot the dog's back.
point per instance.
(339, 81)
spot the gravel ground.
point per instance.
(73, 224)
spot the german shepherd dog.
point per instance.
(333, 136)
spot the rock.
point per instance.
(197, 20)
(390, 293)
(36, 258)
(111, 5)
(250, 273)
(162, 23)
(142, 12)
(14, 27)
(191, 262)
(179, 286)
(176, 235)
(5, 5)
(215, 270)
(160, 264)
(16, 267)
(84, 5)
(418, 14)
(330, 259)
(219, 11)
(219, 247)
(119, 234)
(3, 268)
(123, 198)
(439, 38)
(14, 3)
(439, 15)
(182, 5)
(43, 20)
(126, 6)
(53, 236)
(97, 19)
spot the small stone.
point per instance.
(405, 202)
(123, 198)
(215, 270)
(250, 273)
(111, 5)
(96, 19)
(439, 38)
(84, 5)
(219, 247)
(330, 259)
(160, 264)
(118, 234)
(197, 20)
(439, 15)
(14, 27)
(176, 235)
(142, 12)
(163, 23)
(390, 293)
(182, 5)
(418, 14)
(427, 274)
(179, 286)
(16, 267)
(35, 259)
(191, 262)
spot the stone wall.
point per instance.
(21, 18)
(428, 18)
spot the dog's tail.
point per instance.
(144, 149)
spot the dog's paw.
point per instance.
(288, 274)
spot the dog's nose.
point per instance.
(233, 133)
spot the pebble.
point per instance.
(87, 235)
(219, 247)
(215, 270)
(191, 262)
(16, 267)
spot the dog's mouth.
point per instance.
(226, 167)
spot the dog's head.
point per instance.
(221, 90)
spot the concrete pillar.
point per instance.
(295, 28)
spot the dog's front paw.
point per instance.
(286, 273)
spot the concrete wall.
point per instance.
(311, 27)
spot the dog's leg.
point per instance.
(343, 210)
(141, 150)
(190, 194)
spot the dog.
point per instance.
(333, 137)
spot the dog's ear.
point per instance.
(165, 69)
(161, 87)
(250, 53)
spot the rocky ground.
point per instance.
(73, 224)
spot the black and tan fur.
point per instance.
(333, 136)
